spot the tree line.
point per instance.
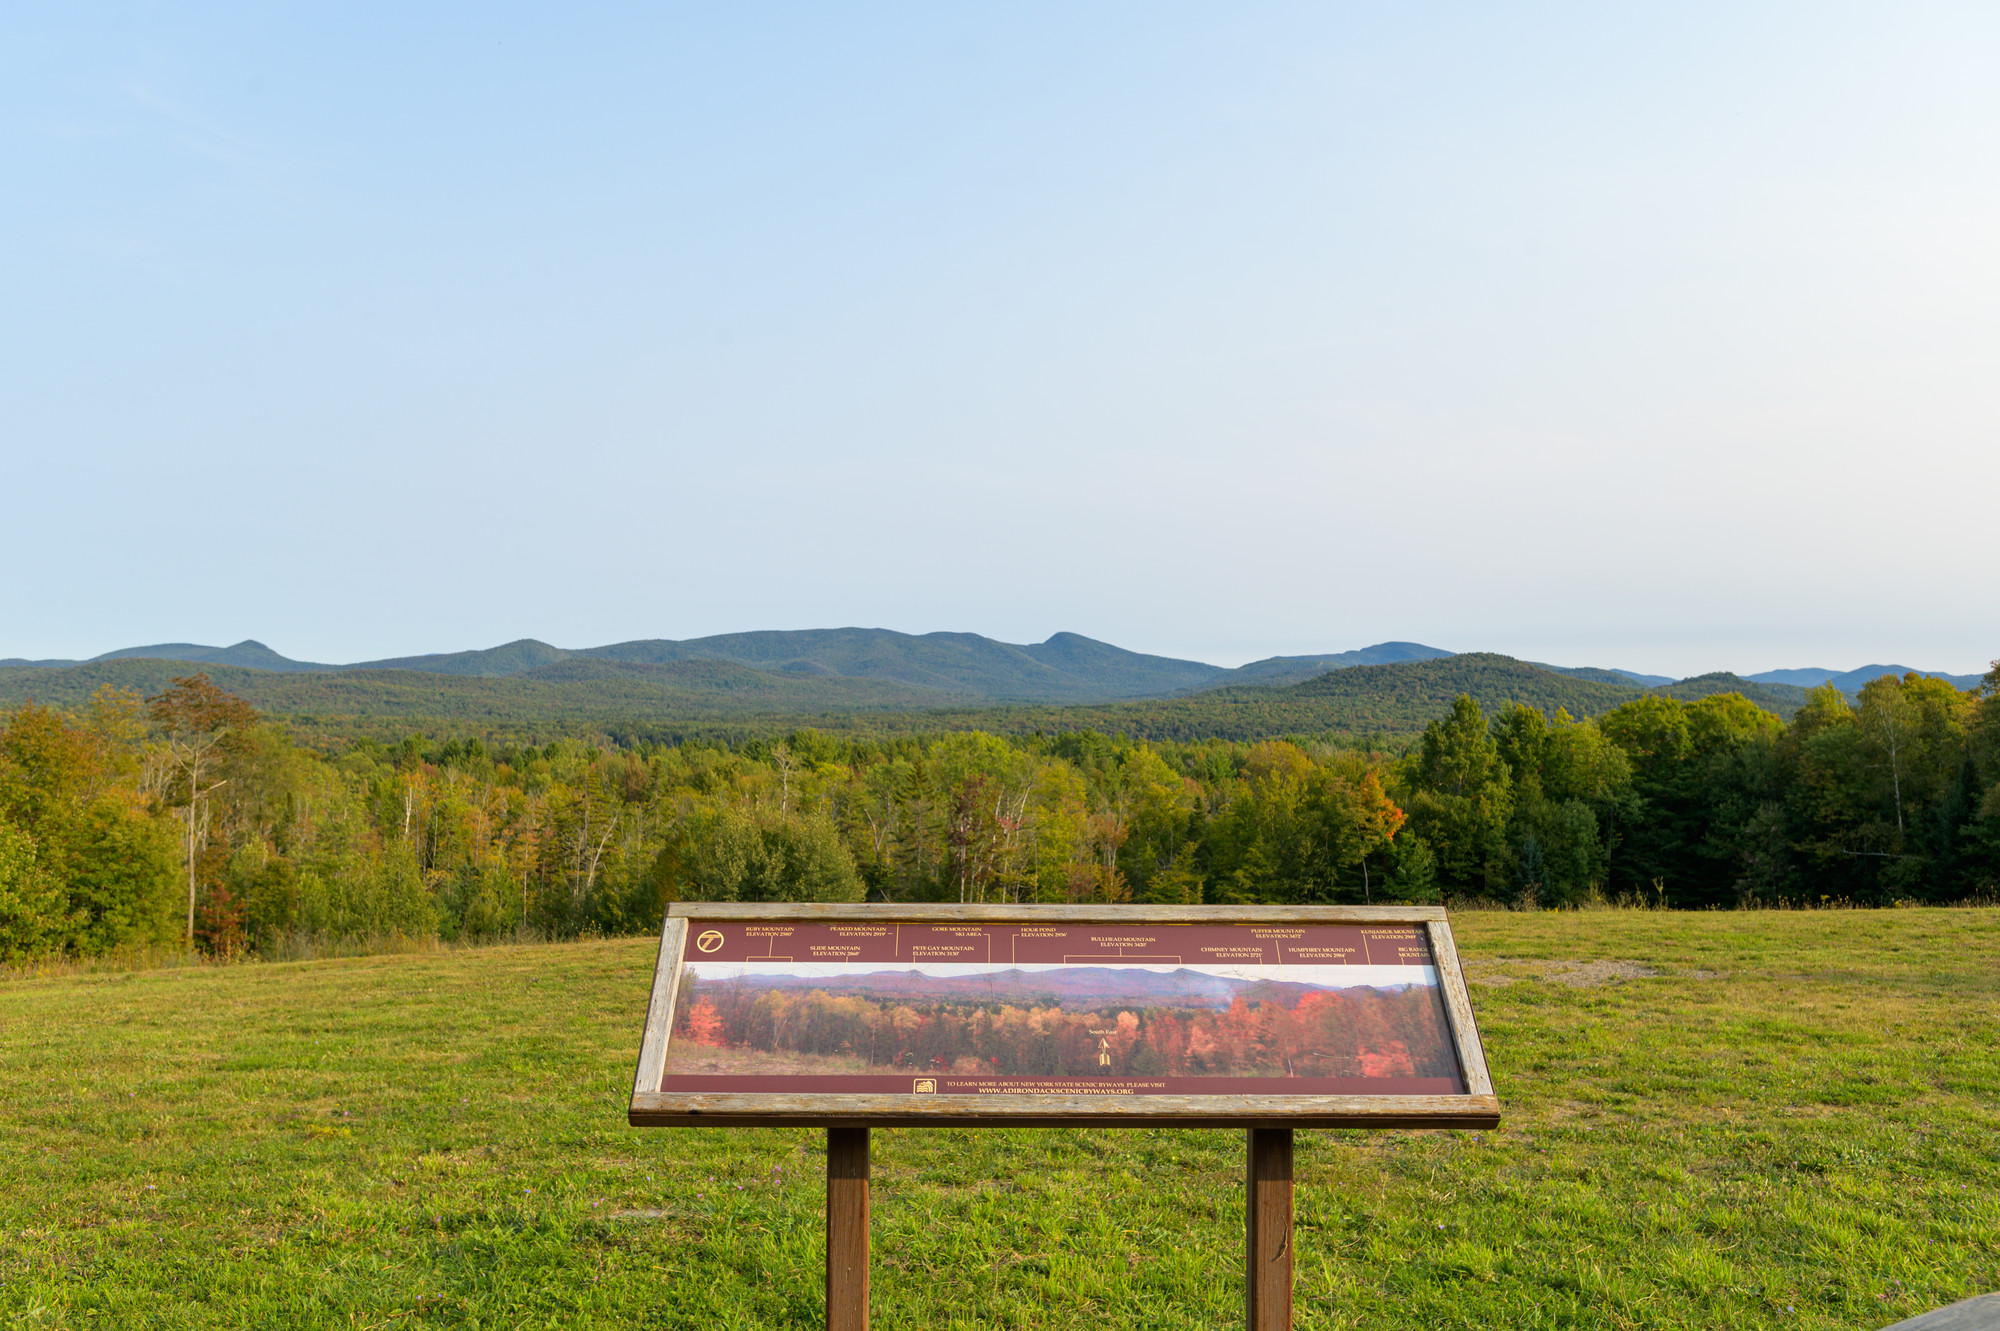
(185, 818)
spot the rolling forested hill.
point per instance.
(565, 697)
(1784, 699)
(249, 653)
(681, 700)
(1850, 681)
(1603, 676)
(867, 680)
(1396, 699)
(1067, 668)
(1294, 669)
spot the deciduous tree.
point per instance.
(196, 719)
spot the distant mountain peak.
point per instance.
(249, 653)
(1853, 681)
(1279, 670)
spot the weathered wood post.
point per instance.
(847, 1229)
(1267, 1248)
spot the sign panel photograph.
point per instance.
(1225, 1015)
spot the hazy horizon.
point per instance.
(1904, 659)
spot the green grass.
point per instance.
(1795, 1124)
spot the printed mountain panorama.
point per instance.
(1079, 988)
(1067, 1022)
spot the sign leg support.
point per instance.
(1267, 1249)
(847, 1229)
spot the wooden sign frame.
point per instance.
(650, 1106)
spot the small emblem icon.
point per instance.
(709, 941)
(924, 1086)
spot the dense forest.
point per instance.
(129, 820)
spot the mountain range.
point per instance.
(1852, 681)
(1075, 987)
(1067, 668)
(742, 686)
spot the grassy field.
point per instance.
(1793, 1121)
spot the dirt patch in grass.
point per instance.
(1498, 971)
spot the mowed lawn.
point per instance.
(1795, 1122)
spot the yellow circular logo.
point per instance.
(709, 941)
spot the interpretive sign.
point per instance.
(1262, 1017)
(861, 1014)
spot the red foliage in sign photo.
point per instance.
(1119, 1022)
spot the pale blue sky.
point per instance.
(1665, 338)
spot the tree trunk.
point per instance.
(190, 860)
